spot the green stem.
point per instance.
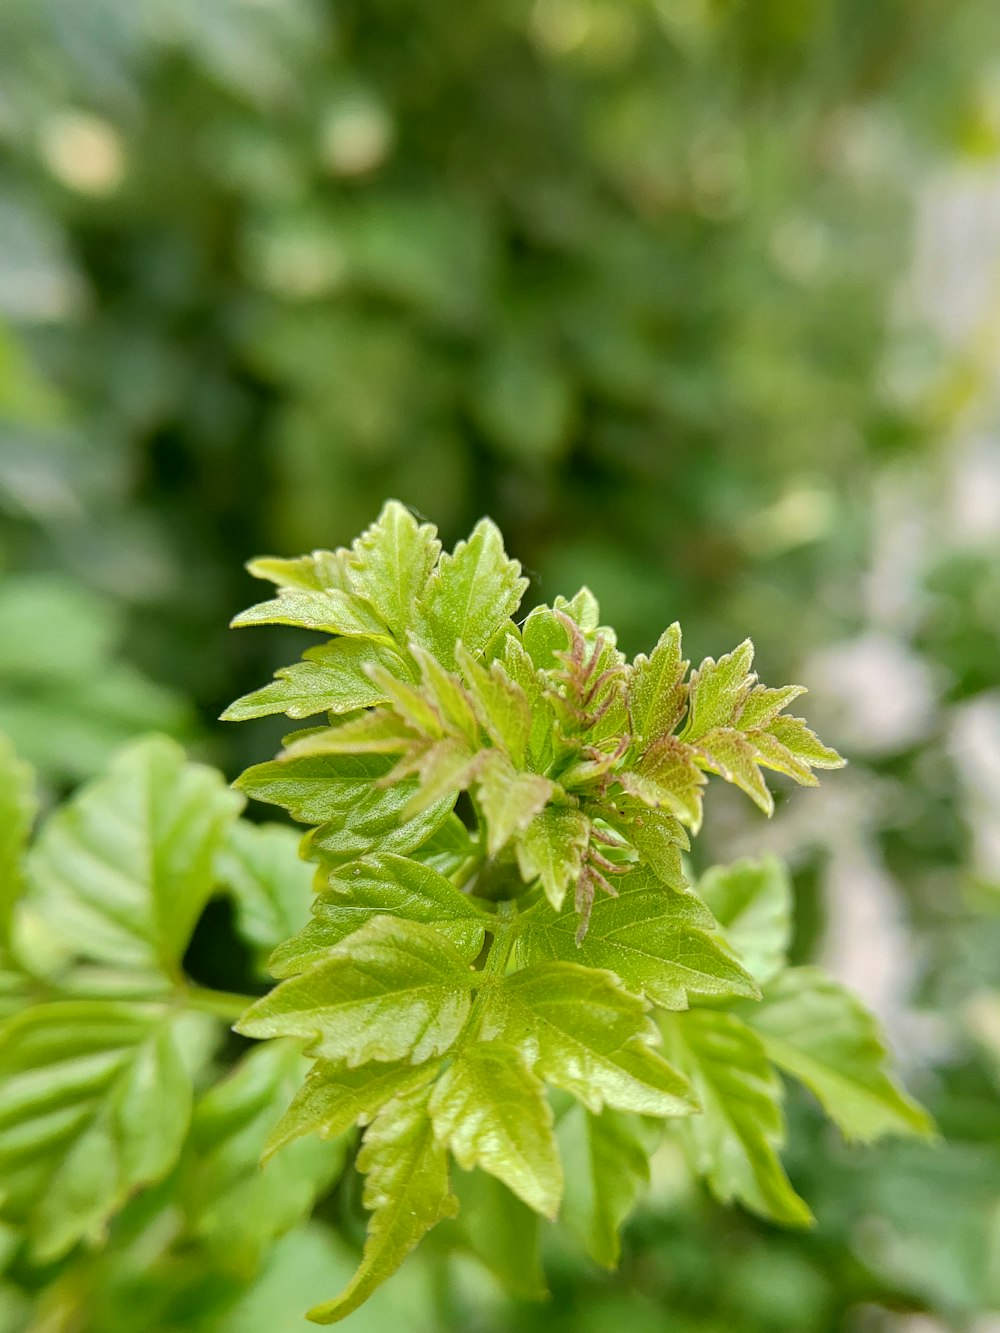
(223, 1004)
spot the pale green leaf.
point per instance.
(270, 885)
(451, 702)
(656, 691)
(121, 873)
(752, 902)
(335, 1097)
(817, 1031)
(383, 886)
(582, 1032)
(718, 691)
(501, 705)
(407, 1192)
(233, 1205)
(378, 731)
(544, 635)
(733, 757)
(491, 1111)
(332, 679)
(803, 743)
(17, 812)
(658, 941)
(97, 1101)
(330, 610)
(471, 594)
(656, 835)
(667, 776)
(734, 1142)
(320, 571)
(509, 800)
(610, 1172)
(763, 705)
(393, 989)
(390, 564)
(552, 848)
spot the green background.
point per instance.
(697, 300)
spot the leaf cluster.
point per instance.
(528, 983)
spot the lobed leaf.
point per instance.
(817, 1031)
(390, 564)
(734, 1142)
(552, 847)
(582, 1032)
(610, 1156)
(388, 885)
(657, 941)
(394, 989)
(407, 1192)
(752, 902)
(332, 678)
(490, 1111)
(657, 694)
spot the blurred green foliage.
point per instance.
(628, 276)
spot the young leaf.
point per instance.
(582, 1032)
(667, 776)
(384, 886)
(17, 813)
(610, 1156)
(393, 989)
(97, 1100)
(656, 691)
(817, 1031)
(271, 886)
(330, 610)
(752, 902)
(307, 573)
(121, 873)
(501, 705)
(491, 1111)
(233, 1205)
(657, 941)
(390, 564)
(552, 848)
(332, 678)
(316, 789)
(734, 1142)
(471, 594)
(407, 1192)
(718, 691)
(334, 1097)
(508, 799)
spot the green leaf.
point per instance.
(817, 1031)
(407, 1192)
(393, 989)
(491, 1111)
(752, 902)
(656, 835)
(610, 1156)
(667, 776)
(233, 1205)
(803, 743)
(271, 886)
(384, 886)
(733, 757)
(501, 705)
(308, 573)
(552, 848)
(734, 1142)
(390, 564)
(378, 731)
(763, 705)
(471, 594)
(582, 1032)
(509, 800)
(499, 1230)
(121, 873)
(718, 691)
(656, 940)
(334, 1097)
(657, 694)
(330, 610)
(97, 1100)
(331, 679)
(17, 813)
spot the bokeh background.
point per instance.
(699, 300)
